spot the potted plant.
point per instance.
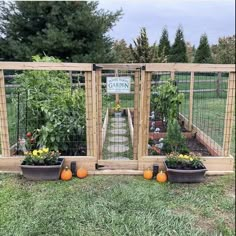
(117, 110)
(184, 168)
(42, 164)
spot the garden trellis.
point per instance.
(206, 115)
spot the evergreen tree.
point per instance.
(203, 52)
(178, 51)
(142, 52)
(70, 30)
(164, 45)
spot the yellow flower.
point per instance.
(186, 157)
(40, 152)
(181, 156)
(35, 153)
(45, 150)
(191, 159)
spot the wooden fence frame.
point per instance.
(142, 73)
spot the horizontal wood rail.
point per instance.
(46, 66)
(189, 67)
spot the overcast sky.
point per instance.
(214, 17)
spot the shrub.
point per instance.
(174, 141)
(165, 101)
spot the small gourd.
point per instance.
(161, 177)
(82, 173)
(66, 174)
(148, 174)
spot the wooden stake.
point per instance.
(4, 134)
(229, 114)
(191, 90)
(172, 75)
(117, 95)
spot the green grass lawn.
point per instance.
(116, 205)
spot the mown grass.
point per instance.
(116, 205)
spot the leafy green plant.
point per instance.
(174, 141)
(165, 101)
(180, 161)
(41, 157)
(55, 112)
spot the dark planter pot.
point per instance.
(185, 176)
(42, 172)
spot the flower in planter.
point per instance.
(41, 157)
(117, 107)
(184, 162)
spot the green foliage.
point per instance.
(224, 51)
(70, 30)
(184, 162)
(174, 141)
(164, 46)
(165, 101)
(178, 49)
(142, 52)
(121, 51)
(203, 52)
(41, 157)
(55, 112)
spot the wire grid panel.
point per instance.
(47, 108)
(118, 118)
(209, 104)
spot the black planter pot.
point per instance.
(185, 176)
(42, 172)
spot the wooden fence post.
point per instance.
(218, 81)
(172, 75)
(191, 89)
(148, 77)
(94, 115)
(99, 111)
(136, 113)
(4, 134)
(141, 117)
(89, 113)
(229, 114)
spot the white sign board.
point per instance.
(118, 84)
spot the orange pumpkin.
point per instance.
(148, 174)
(161, 177)
(82, 173)
(66, 174)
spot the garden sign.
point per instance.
(118, 84)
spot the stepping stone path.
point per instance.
(118, 131)
(118, 140)
(119, 158)
(118, 125)
(118, 119)
(117, 148)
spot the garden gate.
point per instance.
(118, 116)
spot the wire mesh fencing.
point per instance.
(46, 109)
